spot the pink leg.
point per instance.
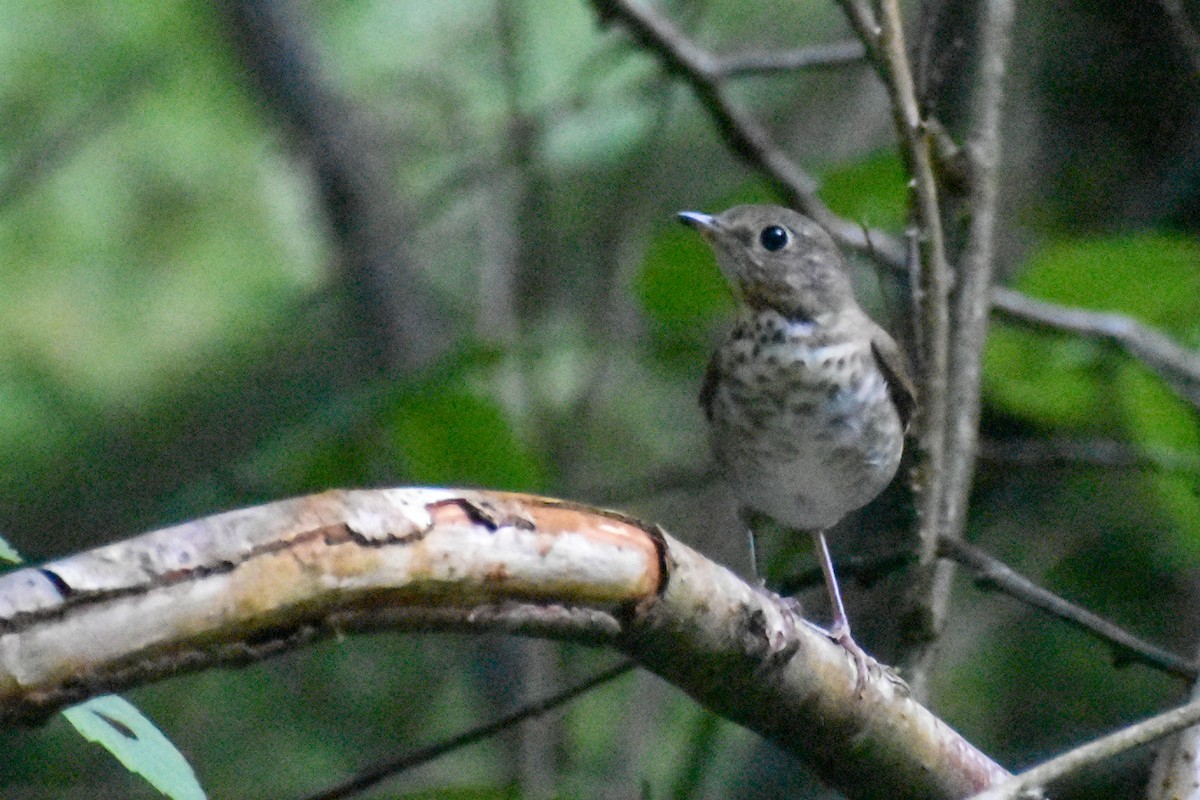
(839, 631)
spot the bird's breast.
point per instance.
(802, 421)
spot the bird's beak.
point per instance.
(705, 223)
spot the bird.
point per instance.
(807, 399)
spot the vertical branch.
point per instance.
(930, 287)
(973, 297)
(393, 315)
(972, 302)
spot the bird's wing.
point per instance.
(891, 363)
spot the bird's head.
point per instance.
(777, 259)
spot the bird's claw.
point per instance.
(839, 632)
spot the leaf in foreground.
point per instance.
(117, 726)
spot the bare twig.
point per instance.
(972, 306)
(992, 573)
(1174, 363)
(1095, 752)
(377, 773)
(820, 56)
(930, 288)
(741, 132)
(862, 20)
(953, 164)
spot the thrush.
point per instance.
(808, 399)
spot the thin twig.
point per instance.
(866, 27)
(377, 773)
(1171, 361)
(819, 56)
(930, 288)
(741, 132)
(992, 573)
(1095, 752)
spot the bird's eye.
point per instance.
(774, 238)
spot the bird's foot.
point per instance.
(864, 664)
(839, 632)
(782, 642)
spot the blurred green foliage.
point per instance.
(1064, 382)
(872, 191)
(167, 351)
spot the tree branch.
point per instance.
(377, 773)
(973, 298)
(821, 56)
(394, 313)
(703, 72)
(743, 134)
(1171, 361)
(992, 573)
(1095, 752)
(969, 323)
(243, 585)
(931, 281)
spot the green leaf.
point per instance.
(9, 553)
(118, 727)
(871, 191)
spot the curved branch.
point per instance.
(743, 134)
(1174, 363)
(247, 584)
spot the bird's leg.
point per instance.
(839, 630)
(754, 554)
(751, 520)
